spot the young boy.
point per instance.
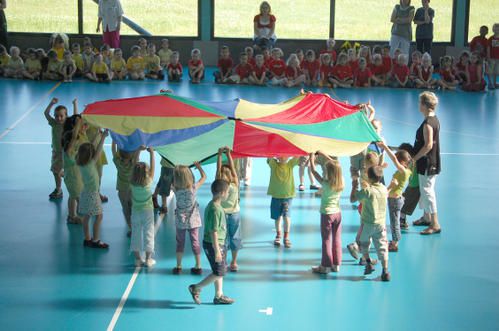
(136, 65)
(174, 68)
(165, 53)
(282, 190)
(259, 74)
(242, 71)
(196, 67)
(152, 63)
(215, 233)
(224, 65)
(373, 216)
(493, 57)
(57, 123)
(479, 43)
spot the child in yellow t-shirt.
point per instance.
(135, 64)
(165, 53)
(78, 59)
(100, 72)
(53, 67)
(152, 63)
(68, 67)
(118, 65)
(32, 65)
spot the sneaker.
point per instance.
(363, 261)
(150, 263)
(138, 263)
(314, 187)
(277, 241)
(385, 276)
(103, 198)
(404, 225)
(196, 271)
(195, 293)
(55, 195)
(320, 270)
(335, 268)
(353, 248)
(368, 269)
(223, 300)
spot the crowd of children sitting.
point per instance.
(349, 66)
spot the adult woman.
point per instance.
(402, 17)
(3, 23)
(427, 158)
(110, 13)
(424, 29)
(264, 27)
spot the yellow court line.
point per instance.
(29, 111)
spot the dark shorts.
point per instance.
(165, 181)
(280, 207)
(411, 196)
(218, 269)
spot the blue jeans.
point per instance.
(394, 208)
(234, 239)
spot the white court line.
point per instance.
(29, 111)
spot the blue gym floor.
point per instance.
(48, 281)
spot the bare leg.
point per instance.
(58, 181)
(179, 259)
(98, 221)
(234, 258)
(198, 261)
(86, 227)
(219, 287)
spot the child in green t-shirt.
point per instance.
(282, 190)
(215, 233)
(411, 193)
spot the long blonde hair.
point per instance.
(182, 177)
(334, 175)
(226, 174)
(140, 174)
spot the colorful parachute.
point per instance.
(184, 131)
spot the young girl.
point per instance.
(400, 73)
(68, 67)
(414, 68)
(301, 56)
(332, 186)
(32, 66)
(341, 75)
(294, 75)
(142, 43)
(118, 65)
(164, 185)
(165, 53)
(59, 44)
(142, 212)
(175, 68)
(259, 74)
(362, 77)
(461, 67)
(135, 64)
(448, 79)
(277, 67)
(187, 216)
(475, 82)
(90, 200)
(425, 74)
(387, 60)
(267, 57)
(282, 190)
(325, 70)
(107, 55)
(152, 63)
(100, 71)
(228, 173)
(196, 67)
(365, 52)
(401, 160)
(311, 67)
(15, 66)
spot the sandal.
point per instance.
(234, 268)
(314, 187)
(196, 271)
(103, 198)
(392, 247)
(55, 195)
(87, 243)
(99, 244)
(277, 241)
(195, 293)
(430, 231)
(301, 188)
(287, 243)
(421, 222)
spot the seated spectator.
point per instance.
(175, 70)
(325, 69)
(425, 78)
(196, 67)
(399, 77)
(264, 28)
(165, 53)
(294, 74)
(118, 65)
(362, 76)
(341, 75)
(136, 65)
(242, 71)
(277, 67)
(259, 74)
(476, 81)
(311, 67)
(330, 43)
(224, 65)
(448, 80)
(152, 63)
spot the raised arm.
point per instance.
(151, 162)
(324, 155)
(231, 164)
(49, 107)
(313, 170)
(218, 174)
(74, 134)
(203, 175)
(75, 106)
(98, 150)
(392, 156)
(114, 149)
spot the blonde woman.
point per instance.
(264, 28)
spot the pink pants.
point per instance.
(194, 236)
(331, 239)
(111, 38)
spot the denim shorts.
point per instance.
(234, 238)
(218, 269)
(280, 207)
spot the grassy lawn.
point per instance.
(299, 19)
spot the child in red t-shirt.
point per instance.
(196, 67)
(387, 60)
(301, 57)
(448, 79)
(362, 76)
(259, 74)
(174, 68)
(414, 68)
(250, 52)
(461, 67)
(475, 80)
(325, 69)
(379, 71)
(277, 67)
(224, 66)
(330, 43)
(480, 43)
(242, 71)
(341, 75)
(353, 60)
(425, 73)
(294, 75)
(267, 57)
(493, 57)
(400, 72)
(311, 67)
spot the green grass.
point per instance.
(299, 19)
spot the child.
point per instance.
(164, 185)
(301, 56)
(4, 59)
(480, 43)
(304, 164)
(475, 75)
(135, 64)
(15, 66)
(78, 59)
(379, 71)
(107, 55)
(215, 232)
(90, 200)
(325, 69)
(400, 73)
(227, 172)
(425, 74)
(311, 67)
(414, 68)
(259, 73)
(294, 75)
(362, 77)
(277, 67)
(68, 67)
(365, 52)
(100, 71)
(282, 190)
(142, 43)
(461, 67)
(493, 57)
(32, 66)
(411, 194)
(165, 53)
(152, 63)
(242, 71)
(224, 65)
(401, 160)
(250, 52)
(341, 75)
(56, 123)
(118, 65)
(387, 60)
(267, 57)
(88, 57)
(59, 45)
(187, 217)
(330, 43)
(353, 60)
(125, 163)
(332, 186)
(53, 67)
(196, 67)
(373, 196)
(448, 79)
(142, 212)
(175, 68)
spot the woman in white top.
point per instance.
(264, 28)
(110, 13)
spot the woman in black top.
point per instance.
(427, 158)
(3, 23)
(424, 30)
